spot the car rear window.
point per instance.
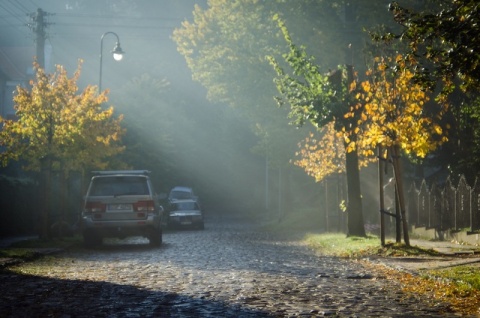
(120, 185)
(185, 206)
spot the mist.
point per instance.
(172, 129)
(186, 139)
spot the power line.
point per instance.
(10, 21)
(12, 14)
(25, 12)
(20, 6)
(71, 24)
(120, 17)
(63, 24)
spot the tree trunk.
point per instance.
(46, 167)
(397, 169)
(398, 217)
(63, 192)
(382, 195)
(355, 223)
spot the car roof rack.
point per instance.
(110, 172)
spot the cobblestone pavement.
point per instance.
(228, 270)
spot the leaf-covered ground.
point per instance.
(458, 286)
(435, 288)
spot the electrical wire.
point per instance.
(19, 5)
(21, 28)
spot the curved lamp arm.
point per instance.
(117, 55)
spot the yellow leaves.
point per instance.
(366, 86)
(351, 146)
(382, 67)
(393, 112)
(322, 156)
(54, 120)
(352, 86)
(399, 58)
(438, 129)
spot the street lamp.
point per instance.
(117, 55)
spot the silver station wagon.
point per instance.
(121, 204)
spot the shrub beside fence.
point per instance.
(21, 205)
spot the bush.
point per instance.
(19, 210)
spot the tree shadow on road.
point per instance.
(34, 296)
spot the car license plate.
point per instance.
(186, 222)
(120, 207)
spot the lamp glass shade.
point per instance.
(117, 56)
(117, 52)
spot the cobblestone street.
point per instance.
(228, 270)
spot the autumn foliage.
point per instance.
(394, 111)
(57, 123)
(324, 154)
(321, 156)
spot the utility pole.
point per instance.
(38, 26)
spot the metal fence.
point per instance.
(450, 207)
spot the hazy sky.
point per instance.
(74, 29)
(144, 27)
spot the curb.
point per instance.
(37, 253)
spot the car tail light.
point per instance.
(95, 207)
(144, 206)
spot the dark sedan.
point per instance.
(185, 213)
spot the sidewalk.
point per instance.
(451, 254)
(447, 247)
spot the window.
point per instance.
(113, 186)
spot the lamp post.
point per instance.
(117, 55)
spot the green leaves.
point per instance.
(444, 41)
(305, 90)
